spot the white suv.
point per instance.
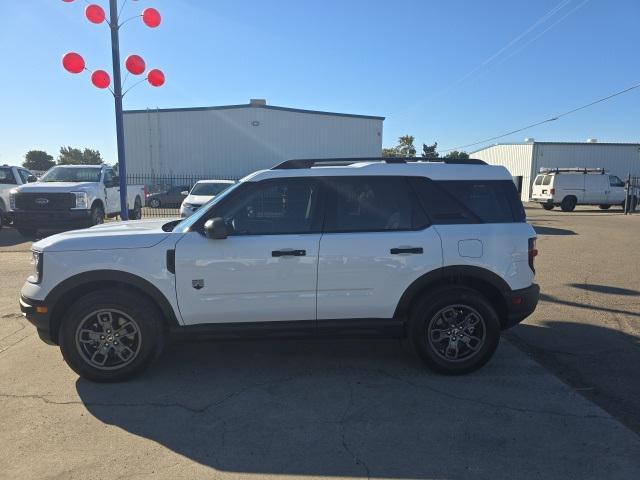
(437, 252)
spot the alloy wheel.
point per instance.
(456, 333)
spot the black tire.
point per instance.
(81, 347)
(1, 218)
(97, 215)
(429, 314)
(568, 204)
(547, 206)
(604, 207)
(136, 213)
(27, 232)
(155, 203)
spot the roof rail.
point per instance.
(337, 162)
(572, 170)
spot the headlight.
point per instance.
(81, 200)
(36, 262)
(12, 200)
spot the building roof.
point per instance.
(557, 143)
(252, 105)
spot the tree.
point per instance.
(404, 148)
(75, 156)
(457, 154)
(38, 160)
(429, 151)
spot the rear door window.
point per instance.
(462, 201)
(547, 179)
(538, 180)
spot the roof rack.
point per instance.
(572, 170)
(341, 162)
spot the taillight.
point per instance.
(553, 191)
(533, 253)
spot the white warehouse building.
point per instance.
(524, 160)
(235, 140)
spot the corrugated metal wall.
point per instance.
(617, 159)
(231, 143)
(516, 158)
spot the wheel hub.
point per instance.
(456, 333)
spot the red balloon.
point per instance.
(67, 1)
(73, 63)
(135, 64)
(100, 79)
(151, 17)
(156, 77)
(94, 13)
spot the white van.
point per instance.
(568, 187)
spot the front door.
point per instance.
(376, 243)
(615, 194)
(266, 269)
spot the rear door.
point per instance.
(376, 242)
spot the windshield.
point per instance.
(74, 174)
(209, 188)
(184, 225)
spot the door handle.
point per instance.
(288, 253)
(413, 250)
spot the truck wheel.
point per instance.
(1, 218)
(605, 207)
(111, 335)
(568, 204)
(547, 206)
(454, 330)
(154, 203)
(27, 232)
(136, 213)
(97, 215)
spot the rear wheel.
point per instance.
(547, 206)
(568, 204)
(454, 330)
(605, 207)
(111, 335)
(154, 203)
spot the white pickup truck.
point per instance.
(10, 178)
(69, 196)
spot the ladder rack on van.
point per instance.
(572, 170)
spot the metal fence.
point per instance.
(165, 193)
(633, 194)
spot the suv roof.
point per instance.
(437, 169)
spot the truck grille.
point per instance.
(45, 201)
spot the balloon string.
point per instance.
(128, 20)
(125, 79)
(134, 85)
(121, 9)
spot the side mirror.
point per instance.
(32, 178)
(184, 193)
(215, 229)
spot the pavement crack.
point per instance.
(345, 444)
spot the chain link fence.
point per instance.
(165, 193)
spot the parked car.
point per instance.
(440, 253)
(69, 196)
(10, 177)
(201, 193)
(171, 198)
(568, 187)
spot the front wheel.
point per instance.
(455, 330)
(111, 335)
(97, 215)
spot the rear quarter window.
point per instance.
(470, 201)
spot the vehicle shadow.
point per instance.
(352, 408)
(600, 363)
(590, 287)
(542, 230)
(569, 303)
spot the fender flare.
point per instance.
(452, 274)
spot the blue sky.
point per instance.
(446, 71)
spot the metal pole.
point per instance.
(627, 190)
(117, 94)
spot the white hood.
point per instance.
(108, 236)
(198, 199)
(51, 187)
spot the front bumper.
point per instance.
(51, 219)
(520, 304)
(39, 315)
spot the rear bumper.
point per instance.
(520, 304)
(41, 320)
(51, 219)
(542, 200)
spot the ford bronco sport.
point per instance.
(435, 251)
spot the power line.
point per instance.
(551, 119)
